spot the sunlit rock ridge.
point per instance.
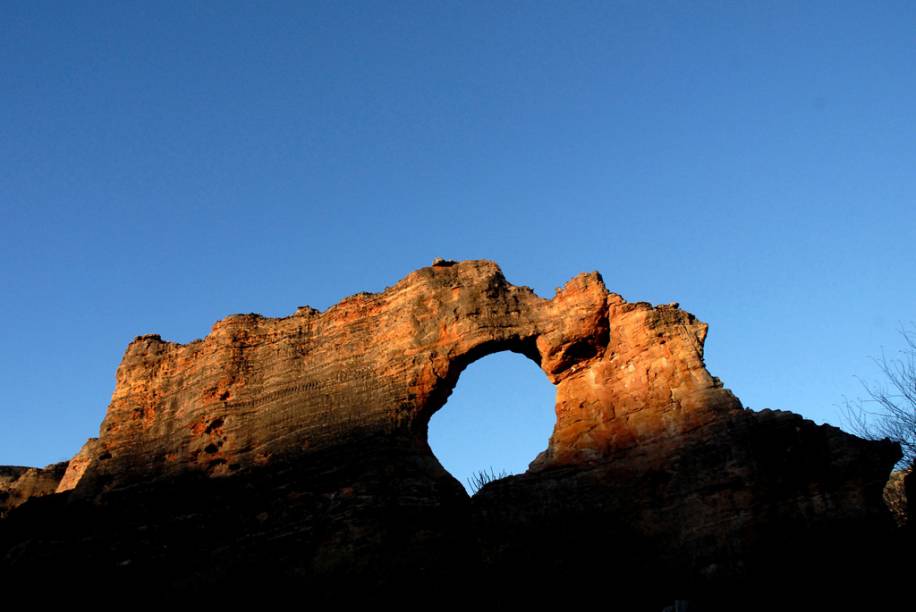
(293, 451)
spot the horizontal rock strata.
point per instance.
(294, 451)
(18, 484)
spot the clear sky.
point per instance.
(163, 165)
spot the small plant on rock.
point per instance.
(482, 477)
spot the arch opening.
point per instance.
(498, 418)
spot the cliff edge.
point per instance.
(293, 453)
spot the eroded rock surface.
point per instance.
(18, 484)
(294, 450)
(258, 389)
(77, 466)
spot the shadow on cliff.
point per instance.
(663, 522)
(363, 515)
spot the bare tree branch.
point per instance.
(889, 410)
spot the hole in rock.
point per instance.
(497, 419)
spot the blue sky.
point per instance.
(163, 165)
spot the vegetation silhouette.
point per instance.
(889, 410)
(482, 477)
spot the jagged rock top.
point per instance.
(258, 389)
(292, 451)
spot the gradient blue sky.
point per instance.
(163, 165)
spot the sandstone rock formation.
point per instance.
(76, 467)
(18, 484)
(256, 388)
(294, 451)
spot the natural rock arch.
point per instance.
(497, 419)
(293, 452)
(257, 390)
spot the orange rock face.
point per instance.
(649, 381)
(77, 466)
(257, 388)
(292, 453)
(18, 484)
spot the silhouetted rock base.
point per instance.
(651, 526)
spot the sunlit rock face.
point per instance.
(294, 450)
(18, 484)
(258, 389)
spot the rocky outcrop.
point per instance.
(294, 450)
(258, 389)
(77, 466)
(18, 484)
(907, 488)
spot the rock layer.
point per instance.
(298, 446)
(258, 389)
(18, 484)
